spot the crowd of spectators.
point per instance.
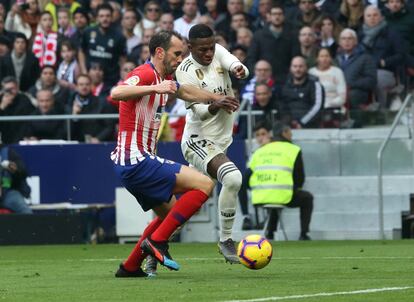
(314, 63)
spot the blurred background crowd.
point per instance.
(313, 64)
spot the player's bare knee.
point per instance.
(206, 185)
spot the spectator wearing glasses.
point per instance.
(152, 14)
(262, 73)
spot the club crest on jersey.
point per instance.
(132, 81)
(110, 43)
(92, 37)
(200, 74)
(220, 70)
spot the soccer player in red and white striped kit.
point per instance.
(151, 179)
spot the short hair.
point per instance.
(278, 6)
(45, 90)
(162, 39)
(81, 11)
(68, 44)
(238, 47)
(19, 35)
(95, 65)
(46, 67)
(104, 6)
(83, 75)
(9, 79)
(45, 12)
(279, 128)
(200, 31)
(64, 9)
(349, 31)
(263, 124)
(262, 84)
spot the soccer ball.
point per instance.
(255, 251)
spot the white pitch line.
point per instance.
(220, 258)
(355, 292)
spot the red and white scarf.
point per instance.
(45, 48)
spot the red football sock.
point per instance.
(189, 203)
(136, 257)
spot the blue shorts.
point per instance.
(151, 180)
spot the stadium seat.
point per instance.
(279, 208)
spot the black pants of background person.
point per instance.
(300, 199)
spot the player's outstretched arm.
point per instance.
(191, 93)
(130, 92)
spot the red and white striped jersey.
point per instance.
(139, 119)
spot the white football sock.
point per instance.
(230, 178)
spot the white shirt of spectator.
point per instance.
(183, 27)
(333, 81)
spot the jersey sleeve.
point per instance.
(139, 77)
(187, 77)
(226, 59)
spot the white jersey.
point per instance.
(214, 78)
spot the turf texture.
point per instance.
(299, 271)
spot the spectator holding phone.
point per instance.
(24, 17)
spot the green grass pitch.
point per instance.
(299, 271)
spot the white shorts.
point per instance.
(198, 152)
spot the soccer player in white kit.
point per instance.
(208, 130)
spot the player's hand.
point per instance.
(166, 86)
(239, 72)
(227, 103)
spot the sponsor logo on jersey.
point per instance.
(132, 81)
(200, 74)
(203, 85)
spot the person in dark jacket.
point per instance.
(303, 97)
(13, 103)
(263, 101)
(401, 19)
(281, 147)
(21, 64)
(360, 73)
(274, 43)
(386, 47)
(48, 80)
(46, 129)
(90, 131)
(13, 185)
